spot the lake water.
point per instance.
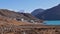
(52, 22)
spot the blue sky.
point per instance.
(27, 5)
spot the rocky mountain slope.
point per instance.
(19, 16)
(50, 14)
(37, 11)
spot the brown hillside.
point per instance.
(11, 14)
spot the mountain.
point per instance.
(36, 11)
(18, 16)
(50, 14)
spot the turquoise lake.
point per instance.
(52, 22)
